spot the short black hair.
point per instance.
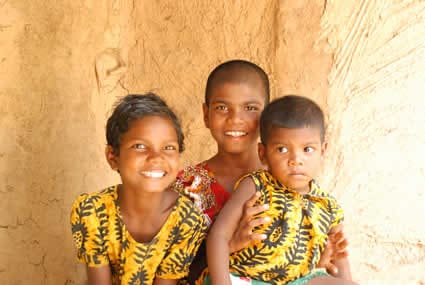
(236, 71)
(137, 106)
(291, 111)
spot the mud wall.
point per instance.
(62, 65)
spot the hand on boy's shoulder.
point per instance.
(244, 235)
(335, 249)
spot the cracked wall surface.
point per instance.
(62, 65)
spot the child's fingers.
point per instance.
(336, 237)
(192, 195)
(257, 222)
(342, 245)
(326, 256)
(257, 237)
(251, 201)
(252, 211)
(331, 269)
(340, 255)
(340, 250)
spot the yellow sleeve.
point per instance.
(337, 213)
(187, 235)
(87, 232)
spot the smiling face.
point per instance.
(233, 114)
(148, 157)
(293, 156)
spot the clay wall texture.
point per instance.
(63, 64)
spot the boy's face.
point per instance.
(233, 115)
(149, 155)
(293, 156)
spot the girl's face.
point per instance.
(293, 156)
(233, 115)
(149, 155)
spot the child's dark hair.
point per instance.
(133, 107)
(236, 71)
(291, 111)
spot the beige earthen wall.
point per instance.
(63, 64)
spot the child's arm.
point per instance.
(342, 264)
(99, 275)
(243, 235)
(89, 240)
(222, 231)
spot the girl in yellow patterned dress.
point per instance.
(302, 214)
(140, 231)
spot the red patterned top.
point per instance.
(200, 180)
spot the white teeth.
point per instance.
(154, 173)
(235, 133)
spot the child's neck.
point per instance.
(228, 168)
(304, 191)
(138, 203)
(148, 209)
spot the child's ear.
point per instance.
(262, 153)
(205, 112)
(324, 148)
(111, 157)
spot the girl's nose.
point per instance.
(155, 155)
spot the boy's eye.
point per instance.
(221, 107)
(139, 146)
(308, 149)
(282, 149)
(251, 108)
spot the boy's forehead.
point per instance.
(238, 92)
(303, 134)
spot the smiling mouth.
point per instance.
(154, 173)
(235, 134)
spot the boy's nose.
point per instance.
(235, 116)
(295, 159)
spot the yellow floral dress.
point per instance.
(101, 239)
(297, 232)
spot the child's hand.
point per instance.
(192, 190)
(336, 248)
(194, 197)
(243, 235)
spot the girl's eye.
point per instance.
(139, 146)
(282, 149)
(308, 149)
(170, 147)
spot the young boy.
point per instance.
(236, 93)
(140, 231)
(302, 214)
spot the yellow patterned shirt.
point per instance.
(101, 239)
(297, 232)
